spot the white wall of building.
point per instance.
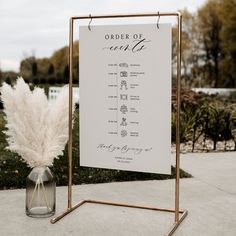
(54, 91)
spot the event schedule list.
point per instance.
(124, 81)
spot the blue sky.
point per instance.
(39, 27)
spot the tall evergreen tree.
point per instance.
(210, 27)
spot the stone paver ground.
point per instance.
(210, 197)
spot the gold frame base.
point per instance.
(183, 213)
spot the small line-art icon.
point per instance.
(123, 109)
(123, 133)
(123, 96)
(123, 74)
(123, 85)
(123, 64)
(123, 122)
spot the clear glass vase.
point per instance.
(40, 193)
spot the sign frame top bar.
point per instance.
(178, 14)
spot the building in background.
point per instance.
(54, 91)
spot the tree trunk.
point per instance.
(193, 141)
(215, 142)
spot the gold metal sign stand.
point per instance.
(179, 214)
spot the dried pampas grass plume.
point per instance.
(37, 129)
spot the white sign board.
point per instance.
(125, 97)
